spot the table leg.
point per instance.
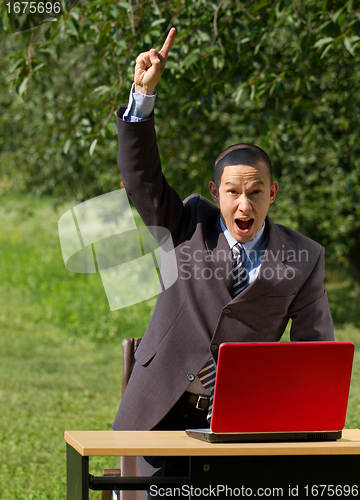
(77, 471)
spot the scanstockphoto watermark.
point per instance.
(288, 491)
(136, 263)
(291, 255)
(220, 490)
(207, 265)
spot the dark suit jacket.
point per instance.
(197, 313)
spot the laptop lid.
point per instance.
(282, 387)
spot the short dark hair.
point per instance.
(240, 154)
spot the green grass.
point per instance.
(49, 384)
(32, 267)
(60, 350)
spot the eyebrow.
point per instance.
(230, 183)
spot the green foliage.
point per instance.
(283, 75)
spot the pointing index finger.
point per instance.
(168, 43)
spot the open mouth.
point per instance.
(244, 225)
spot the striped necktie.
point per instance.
(240, 275)
(207, 375)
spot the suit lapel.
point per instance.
(221, 262)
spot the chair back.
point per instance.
(129, 347)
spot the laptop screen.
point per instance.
(282, 387)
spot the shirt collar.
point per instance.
(249, 246)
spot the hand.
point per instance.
(150, 66)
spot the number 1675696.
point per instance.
(33, 7)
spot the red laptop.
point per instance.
(276, 391)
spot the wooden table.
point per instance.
(227, 470)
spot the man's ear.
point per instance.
(274, 190)
(213, 191)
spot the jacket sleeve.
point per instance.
(310, 311)
(139, 162)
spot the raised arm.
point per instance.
(138, 158)
(150, 66)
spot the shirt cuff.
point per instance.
(140, 106)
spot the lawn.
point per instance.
(61, 350)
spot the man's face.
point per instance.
(244, 197)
